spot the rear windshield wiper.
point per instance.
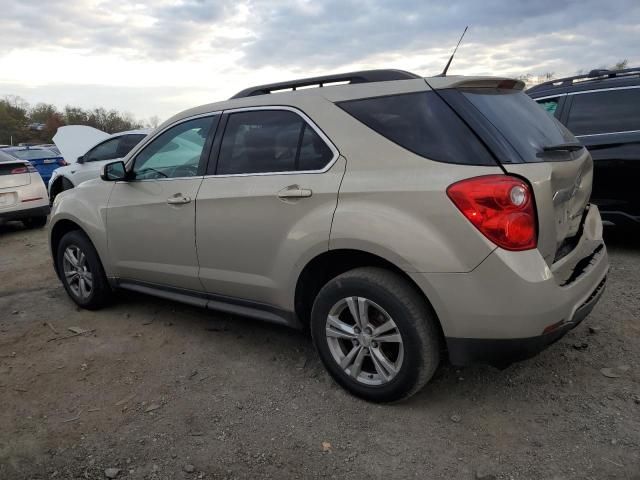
(569, 147)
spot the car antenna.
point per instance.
(446, 68)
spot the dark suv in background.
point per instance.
(602, 109)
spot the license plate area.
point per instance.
(7, 199)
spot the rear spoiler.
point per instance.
(438, 83)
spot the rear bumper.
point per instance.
(513, 304)
(24, 213)
(503, 352)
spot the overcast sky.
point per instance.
(162, 56)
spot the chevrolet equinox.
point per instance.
(400, 219)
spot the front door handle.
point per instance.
(294, 191)
(178, 199)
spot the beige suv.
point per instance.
(400, 218)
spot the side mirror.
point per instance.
(80, 159)
(114, 172)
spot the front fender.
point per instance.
(86, 206)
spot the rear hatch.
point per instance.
(14, 174)
(531, 144)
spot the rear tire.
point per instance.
(392, 350)
(35, 222)
(81, 271)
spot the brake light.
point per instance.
(21, 170)
(62, 162)
(501, 207)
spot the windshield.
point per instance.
(526, 126)
(33, 154)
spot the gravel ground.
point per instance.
(160, 390)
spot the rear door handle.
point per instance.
(294, 191)
(178, 199)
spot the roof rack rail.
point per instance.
(365, 76)
(597, 74)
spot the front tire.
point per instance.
(375, 334)
(81, 271)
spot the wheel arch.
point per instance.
(56, 186)
(329, 264)
(58, 230)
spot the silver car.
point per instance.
(400, 219)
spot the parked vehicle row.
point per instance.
(44, 160)
(87, 150)
(602, 109)
(397, 217)
(23, 195)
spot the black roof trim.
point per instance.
(365, 76)
(592, 76)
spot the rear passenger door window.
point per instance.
(605, 112)
(270, 141)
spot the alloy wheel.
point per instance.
(364, 341)
(76, 272)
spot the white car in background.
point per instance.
(23, 195)
(86, 150)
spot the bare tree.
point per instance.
(153, 122)
(621, 65)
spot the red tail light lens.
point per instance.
(62, 162)
(25, 169)
(501, 207)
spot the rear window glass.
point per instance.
(526, 126)
(6, 168)
(423, 124)
(33, 154)
(605, 112)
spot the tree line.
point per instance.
(24, 123)
(531, 79)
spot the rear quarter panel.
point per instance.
(393, 203)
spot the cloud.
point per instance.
(200, 50)
(161, 30)
(338, 32)
(307, 34)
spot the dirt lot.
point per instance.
(162, 390)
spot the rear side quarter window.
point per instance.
(423, 124)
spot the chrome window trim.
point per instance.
(550, 96)
(596, 90)
(607, 133)
(628, 87)
(311, 123)
(197, 177)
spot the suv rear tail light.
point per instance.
(501, 207)
(62, 162)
